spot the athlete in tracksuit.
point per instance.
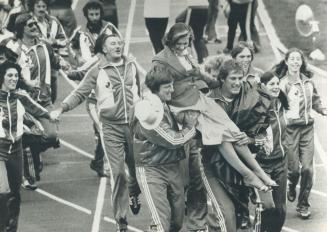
(159, 148)
(116, 90)
(12, 108)
(303, 98)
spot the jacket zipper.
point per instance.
(280, 132)
(305, 103)
(9, 118)
(123, 87)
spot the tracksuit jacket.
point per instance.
(116, 89)
(12, 110)
(162, 145)
(303, 98)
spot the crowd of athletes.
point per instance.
(192, 129)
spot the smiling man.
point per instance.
(116, 86)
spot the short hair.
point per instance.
(157, 77)
(20, 23)
(240, 46)
(227, 67)
(176, 32)
(214, 62)
(33, 2)
(98, 47)
(7, 65)
(93, 4)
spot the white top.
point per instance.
(156, 8)
(202, 3)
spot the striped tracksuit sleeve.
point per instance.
(164, 135)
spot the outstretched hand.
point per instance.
(55, 115)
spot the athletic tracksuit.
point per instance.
(303, 98)
(12, 109)
(158, 155)
(116, 89)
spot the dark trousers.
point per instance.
(91, 109)
(272, 220)
(238, 14)
(198, 20)
(10, 203)
(300, 150)
(156, 28)
(213, 10)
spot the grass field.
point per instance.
(284, 23)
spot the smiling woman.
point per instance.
(13, 105)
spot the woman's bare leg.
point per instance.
(228, 152)
(244, 152)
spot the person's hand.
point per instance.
(324, 112)
(243, 139)
(55, 114)
(191, 118)
(64, 65)
(259, 140)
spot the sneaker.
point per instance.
(98, 170)
(122, 225)
(28, 185)
(291, 194)
(303, 213)
(227, 51)
(134, 204)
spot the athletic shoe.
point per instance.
(134, 204)
(98, 170)
(28, 185)
(291, 194)
(245, 223)
(122, 225)
(303, 213)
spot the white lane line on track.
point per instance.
(129, 26)
(80, 208)
(99, 205)
(62, 201)
(78, 150)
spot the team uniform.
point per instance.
(116, 90)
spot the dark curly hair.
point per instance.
(20, 23)
(281, 68)
(156, 77)
(265, 78)
(7, 65)
(93, 4)
(31, 4)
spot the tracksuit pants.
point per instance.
(10, 203)
(156, 28)
(300, 150)
(213, 10)
(196, 195)
(225, 214)
(164, 192)
(91, 109)
(272, 220)
(118, 148)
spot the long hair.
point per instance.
(20, 23)
(93, 4)
(5, 66)
(240, 46)
(176, 32)
(265, 78)
(281, 68)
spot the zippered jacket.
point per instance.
(12, 110)
(116, 89)
(162, 145)
(303, 98)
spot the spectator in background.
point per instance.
(62, 9)
(196, 16)
(110, 11)
(237, 16)
(156, 15)
(14, 12)
(210, 31)
(4, 33)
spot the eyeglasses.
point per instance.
(31, 24)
